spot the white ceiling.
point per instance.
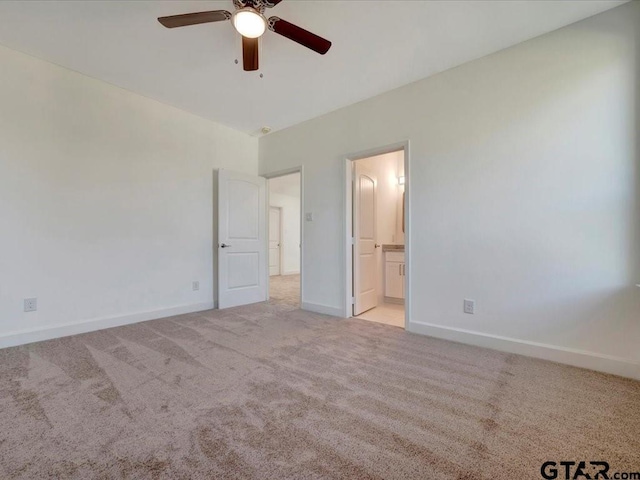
(377, 46)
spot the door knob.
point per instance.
(377, 246)
(224, 245)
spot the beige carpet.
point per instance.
(284, 290)
(271, 392)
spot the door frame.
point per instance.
(282, 173)
(348, 223)
(281, 244)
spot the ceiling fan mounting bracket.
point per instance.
(271, 22)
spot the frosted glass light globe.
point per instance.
(249, 23)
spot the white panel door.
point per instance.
(242, 266)
(275, 222)
(364, 232)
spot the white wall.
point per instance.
(525, 194)
(106, 201)
(388, 193)
(290, 244)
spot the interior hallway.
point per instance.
(284, 290)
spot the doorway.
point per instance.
(285, 238)
(377, 226)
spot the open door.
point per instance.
(364, 234)
(275, 229)
(242, 271)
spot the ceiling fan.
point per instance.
(250, 22)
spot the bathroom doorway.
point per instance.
(376, 230)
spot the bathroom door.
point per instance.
(364, 233)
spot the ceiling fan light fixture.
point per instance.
(249, 22)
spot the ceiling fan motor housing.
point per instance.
(259, 5)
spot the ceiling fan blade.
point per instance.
(250, 47)
(187, 19)
(299, 35)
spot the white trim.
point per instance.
(569, 356)
(347, 226)
(324, 309)
(282, 173)
(48, 333)
(291, 272)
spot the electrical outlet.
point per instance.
(30, 304)
(309, 217)
(469, 306)
(195, 285)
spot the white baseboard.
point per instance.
(396, 301)
(324, 309)
(291, 272)
(47, 333)
(578, 358)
